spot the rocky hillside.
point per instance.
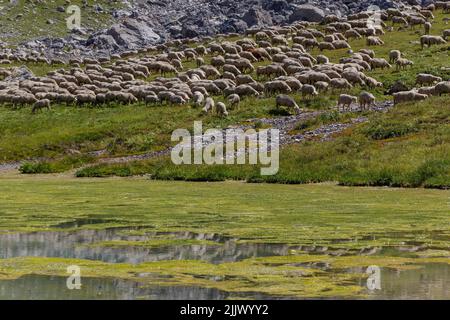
(113, 26)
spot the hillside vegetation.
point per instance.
(407, 146)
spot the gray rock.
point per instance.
(307, 12)
(257, 17)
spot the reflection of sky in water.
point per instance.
(76, 244)
(38, 287)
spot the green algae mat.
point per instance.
(221, 240)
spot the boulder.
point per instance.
(256, 16)
(307, 12)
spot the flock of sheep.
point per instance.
(286, 66)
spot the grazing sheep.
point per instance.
(366, 100)
(286, 101)
(234, 100)
(446, 34)
(379, 63)
(199, 61)
(408, 96)
(424, 78)
(374, 41)
(199, 98)
(231, 68)
(340, 83)
(431, 40)
(321, 86)
(403, 63)
(41, 104)
(372, 83)
(321, 59)
(429, 91)
(309, 90)
(221, 109)
(442, 88)
(209, 105)
(345, 101)
(394, 55)
(368, 52)
(276, 86)
(151, 99)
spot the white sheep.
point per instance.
(345, 101)
(366, 100)
(286, 101)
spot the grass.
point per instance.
(339, 218)
(25, 20)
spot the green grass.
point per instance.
(24, 21)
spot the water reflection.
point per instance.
(430, 281)
(78, 244)
(39, 287)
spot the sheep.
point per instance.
(41, 104)
(209, 105)
(394, 55)
(379, 63)
(415, 21)
(352, 34)
(221, 109)
(199, 61)
(446, 34)
(340, 83)
(276, 86)
(374, 41)
(217, 61)
(309, 90)
(341, 44)
(87, 98)
(243, 79)
(345, 101)
(429, 91)
(321, 59)
(234, 100)
(151, 99)
(366, 100)
(403, 63)
(372, 83)
(399, 20)
(321, 86)
(431, 40)
(210, 71)
(353, 76)
(286, 101)
(368, 52)
(442, 88)
(243, 90)
(216, 48)
(423, 78)
(198, 98)
(407, 96)
(231, 68)
(177, 100)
